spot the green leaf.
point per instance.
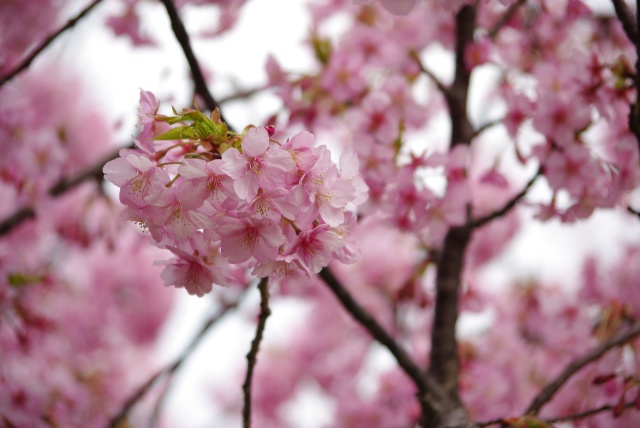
(178, 133)
(20, 280)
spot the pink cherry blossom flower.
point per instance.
(136, 176)
(245, 237)
(191, 271)
(259, 165)
(206, 181)
(173, 212)
(315, 247)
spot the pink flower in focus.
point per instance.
(195, 272)
(246, 237)
(136, 176)
(315, 248)
(206, 181)
(257, 166)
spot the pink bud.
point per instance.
(270, 130)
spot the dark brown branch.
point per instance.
(252, 356)
(171, 368)
(196, 72)
(634, 212)
(626, 18)
(461, 129)
(508, 206)
(240, 95)
(433, 398)
(550, 390)
(567, 418)
(46, 42)
(58, 189)
(441, 87)
(486, 126)
(444, 364)
(587, 413)
(508, 14)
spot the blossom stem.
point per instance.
(252, 356)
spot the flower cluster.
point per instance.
(216, 198)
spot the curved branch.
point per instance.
(550, 390)
(432, 395)
(441, 87)
(62, 186)
(46, 42)
(252, 356)
(171, 368)
(567, 418)
(196, 72)
(508, 206)
(505, 18)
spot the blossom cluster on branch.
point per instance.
(217, 199)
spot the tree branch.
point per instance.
(252, 356)
(587, 413)
(550, 390)
(461, 130)
(46, 42)
(505, 18)
(62, 186)
(171, 368)
(474, 224)
(626, 18)
(432, 396)
(196, 72)
(567, 418)
(444, 365)
(441, 87)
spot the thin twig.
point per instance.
(508, 206)
(550, 390)
(46, 42)
(587, 413)
(171, 368)
(240, 95)
(196, 72)
(62, 186)
(567, 418)
(431, 394)
(486, 126)
(505, 18)
(252, 356)
(441, 87)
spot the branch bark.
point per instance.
(171, 368)
(432, 396)
(252, 356)
(444, 365)
(513, 8)
(196, 72)
(508, 206)
(62, 186)
(461, 130)
(46, 42)
(547, 393)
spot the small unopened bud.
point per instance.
(270, 130)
